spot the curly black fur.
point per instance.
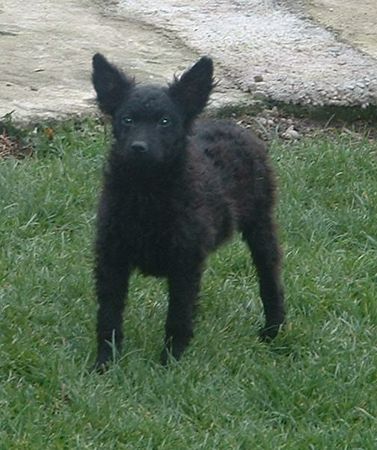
(174, 190)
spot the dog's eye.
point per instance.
(127, 120)
(164, 122)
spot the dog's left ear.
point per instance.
(191, 91)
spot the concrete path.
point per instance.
(46, 48)
(268, 49)
(355, 22)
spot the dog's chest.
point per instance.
(148, 230)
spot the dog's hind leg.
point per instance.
(262, 241)
(183, 295)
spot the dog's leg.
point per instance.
(262, 241)
(183, 295)
(111, 287)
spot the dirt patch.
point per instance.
(13, 146)
(290, 123)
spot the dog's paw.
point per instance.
(103, 360)
(269, 332)
(172, 353)
(100, 367)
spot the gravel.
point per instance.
(266, 49)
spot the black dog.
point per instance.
(174, 190)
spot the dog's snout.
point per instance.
(139, 146)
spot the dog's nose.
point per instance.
(139, 146)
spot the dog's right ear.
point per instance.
(110, 83)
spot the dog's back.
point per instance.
(241, 161)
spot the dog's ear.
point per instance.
(191, 91)
(110, 83)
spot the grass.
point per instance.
(315, 387)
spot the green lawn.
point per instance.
(315, 387)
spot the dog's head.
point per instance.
(150, 123)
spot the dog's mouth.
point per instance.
(142, 159)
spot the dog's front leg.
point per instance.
(111, 287)
(183, 294)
